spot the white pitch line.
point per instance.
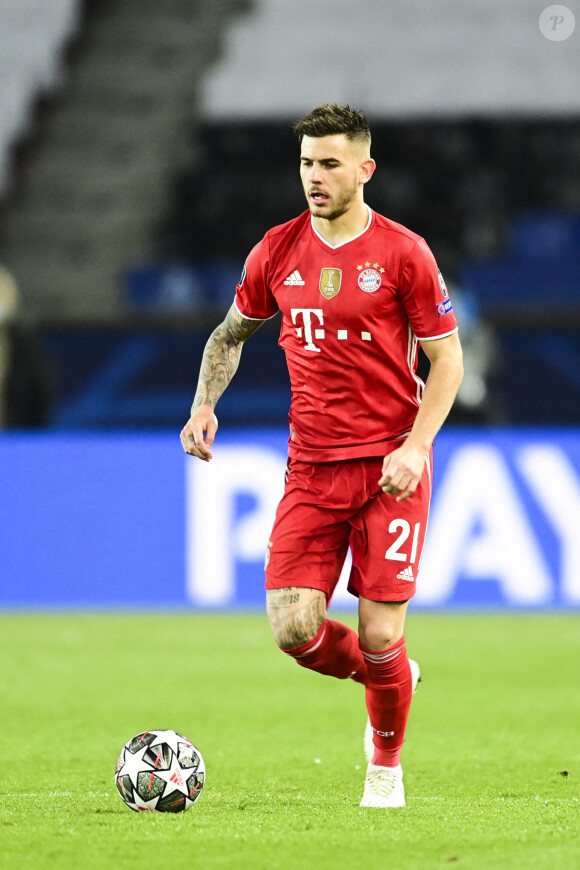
(19, 794)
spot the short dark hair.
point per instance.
(331, 119)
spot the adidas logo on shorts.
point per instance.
(406, 574)
(294, 280)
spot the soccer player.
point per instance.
(358, 293)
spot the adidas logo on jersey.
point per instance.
(294, 280)
(406, 574)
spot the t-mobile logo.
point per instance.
(302, 318)
(305, 331)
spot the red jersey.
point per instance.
(352, 316)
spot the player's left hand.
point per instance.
(402, 471)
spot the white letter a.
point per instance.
(478, 530)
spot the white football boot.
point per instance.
(383, 787)
(368, 738)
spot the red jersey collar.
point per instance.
(348, 241)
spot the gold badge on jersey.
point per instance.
(330, 281)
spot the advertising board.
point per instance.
(128, 521)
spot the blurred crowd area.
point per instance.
(145, 148)
(459, 182)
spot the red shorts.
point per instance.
(327, 507)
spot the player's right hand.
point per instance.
(198, 434)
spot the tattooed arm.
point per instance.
(220, 361)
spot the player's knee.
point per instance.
(381, 624)
(378, 635)
(291, 631)
(295, 617)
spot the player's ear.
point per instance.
(367, 168)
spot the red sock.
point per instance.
(388, 695)
(334, 652)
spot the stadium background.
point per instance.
(144, 148)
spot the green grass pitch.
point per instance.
(492, 757)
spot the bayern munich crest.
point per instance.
(370, 280)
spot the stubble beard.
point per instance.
(342, 205)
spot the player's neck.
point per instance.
(346, 227)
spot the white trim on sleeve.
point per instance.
(247, 316)
(429, 337)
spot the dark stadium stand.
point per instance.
(499, 203)
(126, 285)
(456, 183)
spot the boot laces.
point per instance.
(382, 782)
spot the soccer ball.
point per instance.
(160, 771)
